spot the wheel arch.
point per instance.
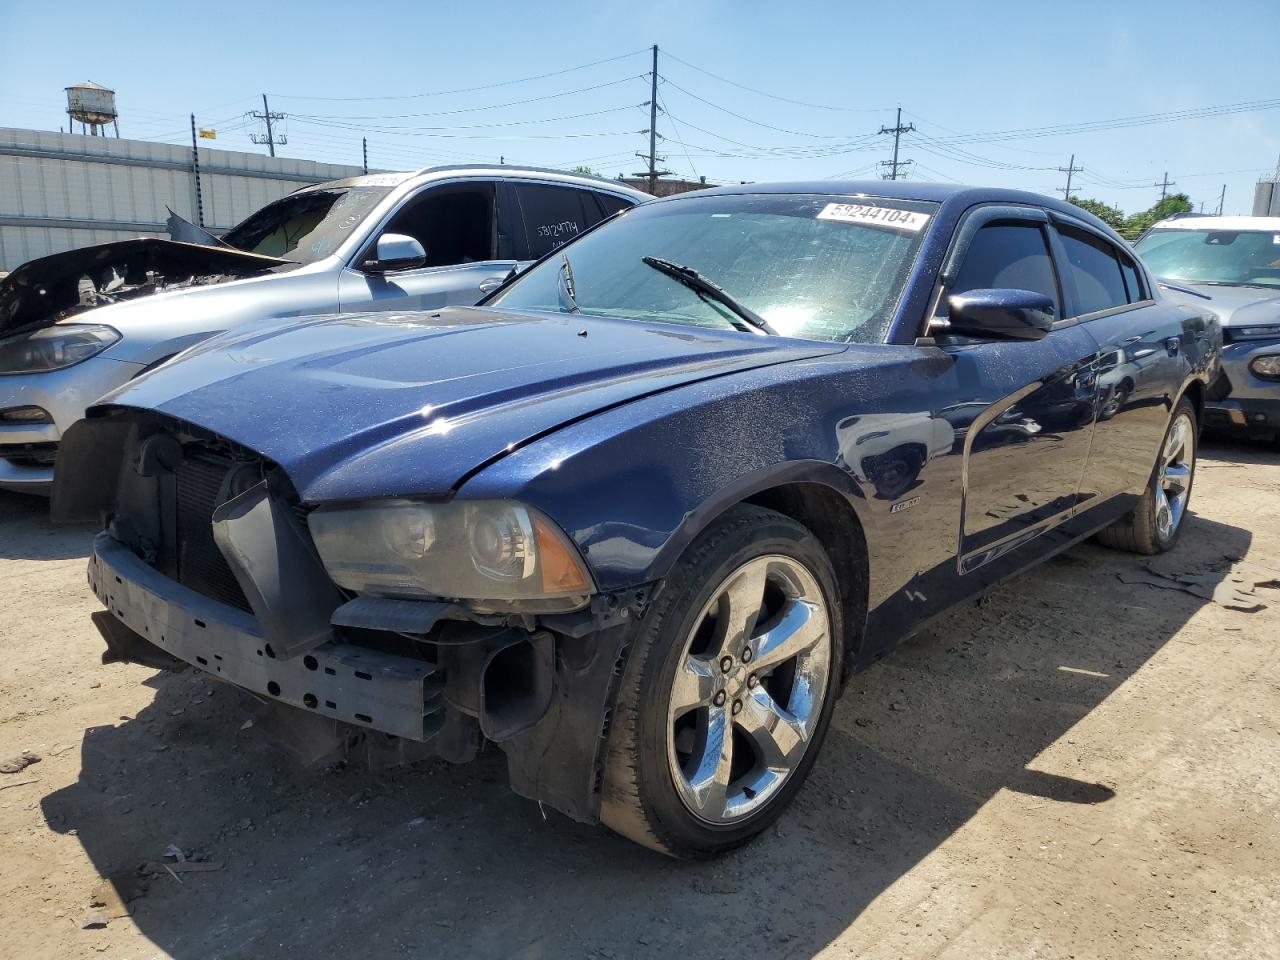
(823, 499)
(835, 523)
(1194, 391)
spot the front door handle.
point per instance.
(491, 283)
(1172, 344)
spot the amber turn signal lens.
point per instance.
(561, 570)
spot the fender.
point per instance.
(749, 485)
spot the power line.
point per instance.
(457, 110)
(1094, 126)
(679, 137)
(428, 129)
(1164, 185)
(715, 106)
(774, 96)
(938, 173)
(486, 86)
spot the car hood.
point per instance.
(41, 292)
(1234, 306)
(372, 405)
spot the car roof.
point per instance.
(505, 171)
(1267, 224)
(957, 194)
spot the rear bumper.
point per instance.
(355, 685)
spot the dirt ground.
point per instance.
(1079, 767)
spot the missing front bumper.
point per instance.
(344, 682)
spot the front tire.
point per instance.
(1154, 525)
(728, 690)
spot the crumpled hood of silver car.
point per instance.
(43, 291)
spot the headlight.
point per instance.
(62, 345)
(494, 554)
(1256, 332)
(1267, 367)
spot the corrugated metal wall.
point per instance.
(59, 191)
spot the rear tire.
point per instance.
(1154, 525)
(719, 717)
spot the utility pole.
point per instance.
(653, 173)
(897, 130)
(1069, 169)
(1222, 199)
(653, 123)
(270, 139)
(195, 173)
(1164, 185)
(364, 153)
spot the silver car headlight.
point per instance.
(496, 555)
(56, 347)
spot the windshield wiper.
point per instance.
(565, 286)
(710, 291)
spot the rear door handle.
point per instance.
(1172, 344)
(491, 283)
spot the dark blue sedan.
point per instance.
(636, 517)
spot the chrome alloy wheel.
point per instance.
(749, 689)
(1177, 460)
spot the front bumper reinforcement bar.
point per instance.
(363, 687)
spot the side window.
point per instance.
(1008, 255)
(554, 215)
(611, 204)
(1132, 280)
(454, 223)
(1095, 267)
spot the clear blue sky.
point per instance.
(969, 69)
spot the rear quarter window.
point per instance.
(1095, 267)
(554, 215)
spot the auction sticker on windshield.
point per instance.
(874, 216)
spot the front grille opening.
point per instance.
(29, 454)
(201, 566)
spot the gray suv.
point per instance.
(76, 325)
(1234, 264)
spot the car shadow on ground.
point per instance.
(444, 861)
(27, 534)
(1237, 451)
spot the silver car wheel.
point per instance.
(1177, 460)
(749, 689)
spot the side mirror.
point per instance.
(999, 314)
(395, 251)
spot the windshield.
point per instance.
(1238, 257)
(816, 267)
(305, 227)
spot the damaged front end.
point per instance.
(209, 559)
(44, 291)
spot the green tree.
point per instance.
(1111, 216)
(585, 171)
(1136, 223)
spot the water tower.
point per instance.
(94, 106)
